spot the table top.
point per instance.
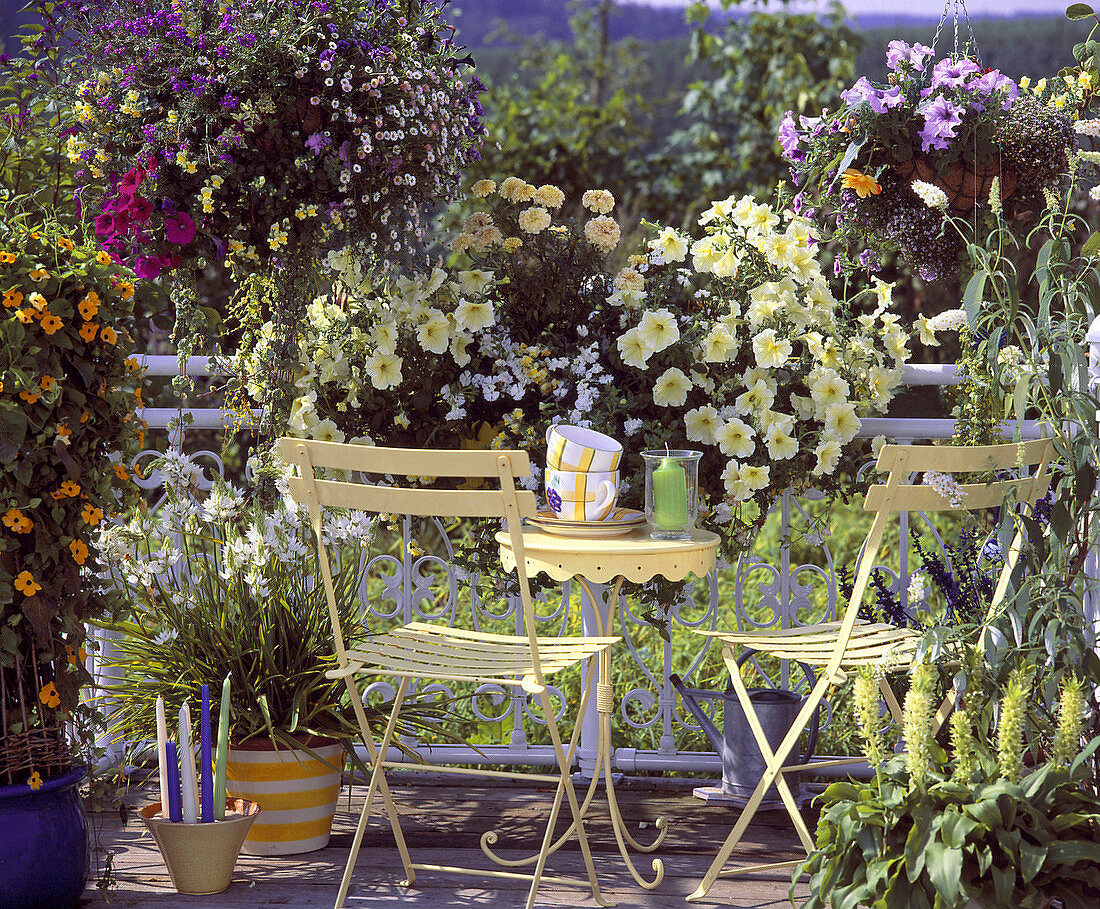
(634, 555)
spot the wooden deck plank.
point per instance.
(443, 824)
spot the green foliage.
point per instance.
(759, 68)
(948, 831)
(569, 116)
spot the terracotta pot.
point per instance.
(963, 186)
(296, 789)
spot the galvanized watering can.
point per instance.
(742, 762)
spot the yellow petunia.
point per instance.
(860, 182)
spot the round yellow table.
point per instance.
(632, 556)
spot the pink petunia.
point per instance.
(180, 229)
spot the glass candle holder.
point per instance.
(671, 483)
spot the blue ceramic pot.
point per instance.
(44, 848)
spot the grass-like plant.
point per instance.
(220, 588)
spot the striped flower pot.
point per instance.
(297, 792)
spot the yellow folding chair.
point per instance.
(424, 650)
(1019, 478)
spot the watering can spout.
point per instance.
(714, 736)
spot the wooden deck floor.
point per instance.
(442, 823)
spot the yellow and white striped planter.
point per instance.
(297, 792)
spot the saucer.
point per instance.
(620, 521)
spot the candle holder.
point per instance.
(671, 484)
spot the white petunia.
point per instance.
(473, 281)
(781, 445)
(734, 439)
(634, 351)
(736, 488)
(702, 423)
(771, 352)
(670, 245)
(719, 345)
(671, 388)
(841, 422)
(434, 335)
(828, 455)
(383, 369)
(473, 316)
(754, 476)
(658, 329)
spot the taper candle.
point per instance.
(223, 753)
(206, 764)
(171, 808)
(162, 762)
(187, 765)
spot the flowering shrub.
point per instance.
(742, 347)
(68, 393)
(748, 354)
(246, 129)
(940, 134)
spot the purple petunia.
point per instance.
(789, 138)
(318, 142)
(941, 120)
(898, 52)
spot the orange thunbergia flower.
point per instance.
(8, 257)
(89, 306)
(121, 472)
(13, 298)
(49, 695)
(35, 235)
(108, 334)
(35, 781)
(79, 549)
(17, 521)
(26, 582)
(91, 514)
(39, 274)
(69, 488)
(64, 431)
(80, 654)
(861, 183)
(133, 365)
(38, 301)
(51, 324)
(137, 397)
(66, 244)
(85, 417)
(29, 396)
(103, 258)
(47, 383)
(88, 331)
(1, 387)
(126, 289)
(26, 316)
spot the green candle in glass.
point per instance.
(670, 497)
(671, 481)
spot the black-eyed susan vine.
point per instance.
(69, 391)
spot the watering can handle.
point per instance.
(815, 719)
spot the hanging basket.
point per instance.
(964, 186)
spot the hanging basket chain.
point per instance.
(954, 7)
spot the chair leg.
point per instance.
(377, 782)
(565, 786)
(772, 773)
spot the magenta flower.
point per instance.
(131, 180)
(148, 267)
(180, 229)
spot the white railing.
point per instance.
(781, 590)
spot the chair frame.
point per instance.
(469, 652)
(841, 646)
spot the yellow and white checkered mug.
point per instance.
(577, 448)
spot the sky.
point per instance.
(923, 7)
